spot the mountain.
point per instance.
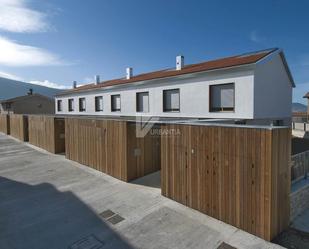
(298, 107)
(13, 88)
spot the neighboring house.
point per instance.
(28, 104)
(299, 117)
(255, 85)
(307, 97)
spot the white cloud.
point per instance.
(14, 54)
(16, 16)
(10, 76)
(48, 84)
(256, 37)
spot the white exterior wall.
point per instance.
(272, 90)
(194, 96)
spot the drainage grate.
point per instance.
(111, 217)
(107, 214)
(225, 246)
(115, 219)
(90, 242)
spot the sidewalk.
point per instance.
(50, 202)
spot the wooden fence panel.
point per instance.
(19, 126)
(174, 164)
(5, 123)
(47, 132)
(238, 175)
(111, 147)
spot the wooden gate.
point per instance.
(5, 123)
(47, 132)
(238, 175)
(19, 126)
(111, 146)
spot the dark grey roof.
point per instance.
(20, 98)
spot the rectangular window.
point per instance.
(171, 100)
(82, 104)
(222, 97)
(115, 103)
(71, 105)
(59, 105)
(142, 102)
(98, 103)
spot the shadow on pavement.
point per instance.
(40, 216)
(293, 239)
(152, 180)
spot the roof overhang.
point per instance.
(246, 67)
(288, 71)
(284, 61)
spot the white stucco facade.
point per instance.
(262, 90)
(272, 89)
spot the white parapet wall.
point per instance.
(300, 129)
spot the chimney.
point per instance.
(30, 92)
(179, 62)
(129, 71)
(96, 79)
(74, 84)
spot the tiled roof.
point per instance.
(299, 114)
(227, 62)
(20, 98)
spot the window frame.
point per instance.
(59, 105)
(164, 104)
(71, 105)
(137, 103)
(79, 104)
(228, 110)
(112, 107)
(96, 99)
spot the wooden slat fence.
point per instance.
(5, 123)
(19, 126)
(111, 147)
(238, 175)
(47, 132)
(300, 166)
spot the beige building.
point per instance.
(28, 104)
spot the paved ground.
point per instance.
(293, 239)
(47, 201)
(302, 222)
(297, 236)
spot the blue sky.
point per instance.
(55, 42)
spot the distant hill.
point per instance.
(298, 107)
(12, 88)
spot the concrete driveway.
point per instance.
(47, 201)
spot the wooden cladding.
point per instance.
(143, 153)
(5, 123)
(19, 126)
(47, 132)
(238, 175)
(111, 147)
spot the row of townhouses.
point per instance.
(249, 86)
